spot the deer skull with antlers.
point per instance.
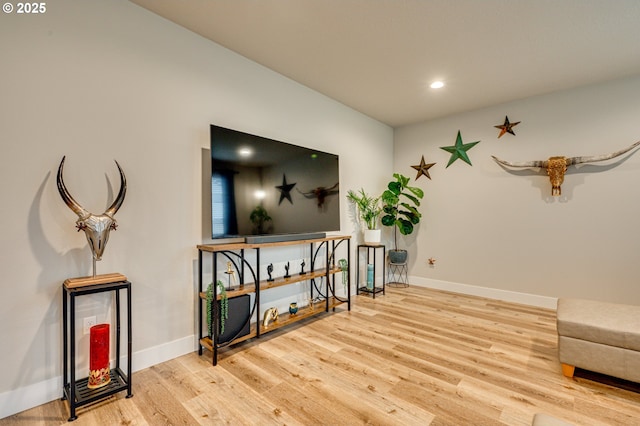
(95, 227)
(557, 166)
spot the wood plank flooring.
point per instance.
(413, 357)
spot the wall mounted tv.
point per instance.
(254, 178)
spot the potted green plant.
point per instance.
(259, 217)
(224, 306)
(369, 211)
(400, 204)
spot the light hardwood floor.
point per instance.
(413, 357)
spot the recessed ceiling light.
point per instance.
(437, 85)
(245, 152)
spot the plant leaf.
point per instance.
(416, 191)
(388, 220)
(402, 180)
(395, 187)
(412, 198)
(389, 197)
(405, 227)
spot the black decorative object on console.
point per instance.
(269, 272)
(237, 324)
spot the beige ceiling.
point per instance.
(379, 56)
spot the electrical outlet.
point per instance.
(87, 323)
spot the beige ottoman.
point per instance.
(598, 336)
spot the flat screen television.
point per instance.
(266, 190)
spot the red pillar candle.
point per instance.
(98, 356)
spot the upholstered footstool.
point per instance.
(598, 336)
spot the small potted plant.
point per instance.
(400, 204)
(259, 217)
(369, 211)
(224, 306)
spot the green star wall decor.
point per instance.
(285, 189)
(506, 127)
(423, 168)
(459, 150)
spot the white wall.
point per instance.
(502, 231)
(104, 80)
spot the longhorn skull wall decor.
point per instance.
(95, 227)
(320, 193)
(557, 166)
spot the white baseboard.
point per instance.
(149, 357)
(491, 293)
(30, 396)
(18, 400)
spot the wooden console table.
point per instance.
(251, 283)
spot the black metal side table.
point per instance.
(76, 391)
(370, 248)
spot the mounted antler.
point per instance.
(96, 227)
(557, 166)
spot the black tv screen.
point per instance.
(264, 187)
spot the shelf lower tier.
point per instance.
(370, 290)
(284, 319)
(207, 343)
(84, 395)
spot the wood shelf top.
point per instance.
(239, 246)
(98, 279)
(235, 292)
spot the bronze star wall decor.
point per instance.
(506, 127)
(423, 168)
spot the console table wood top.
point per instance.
(241, 245)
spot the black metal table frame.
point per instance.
(71, 389)
(375, 289)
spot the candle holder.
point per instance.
(99, 374)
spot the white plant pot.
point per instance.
(372, 236)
